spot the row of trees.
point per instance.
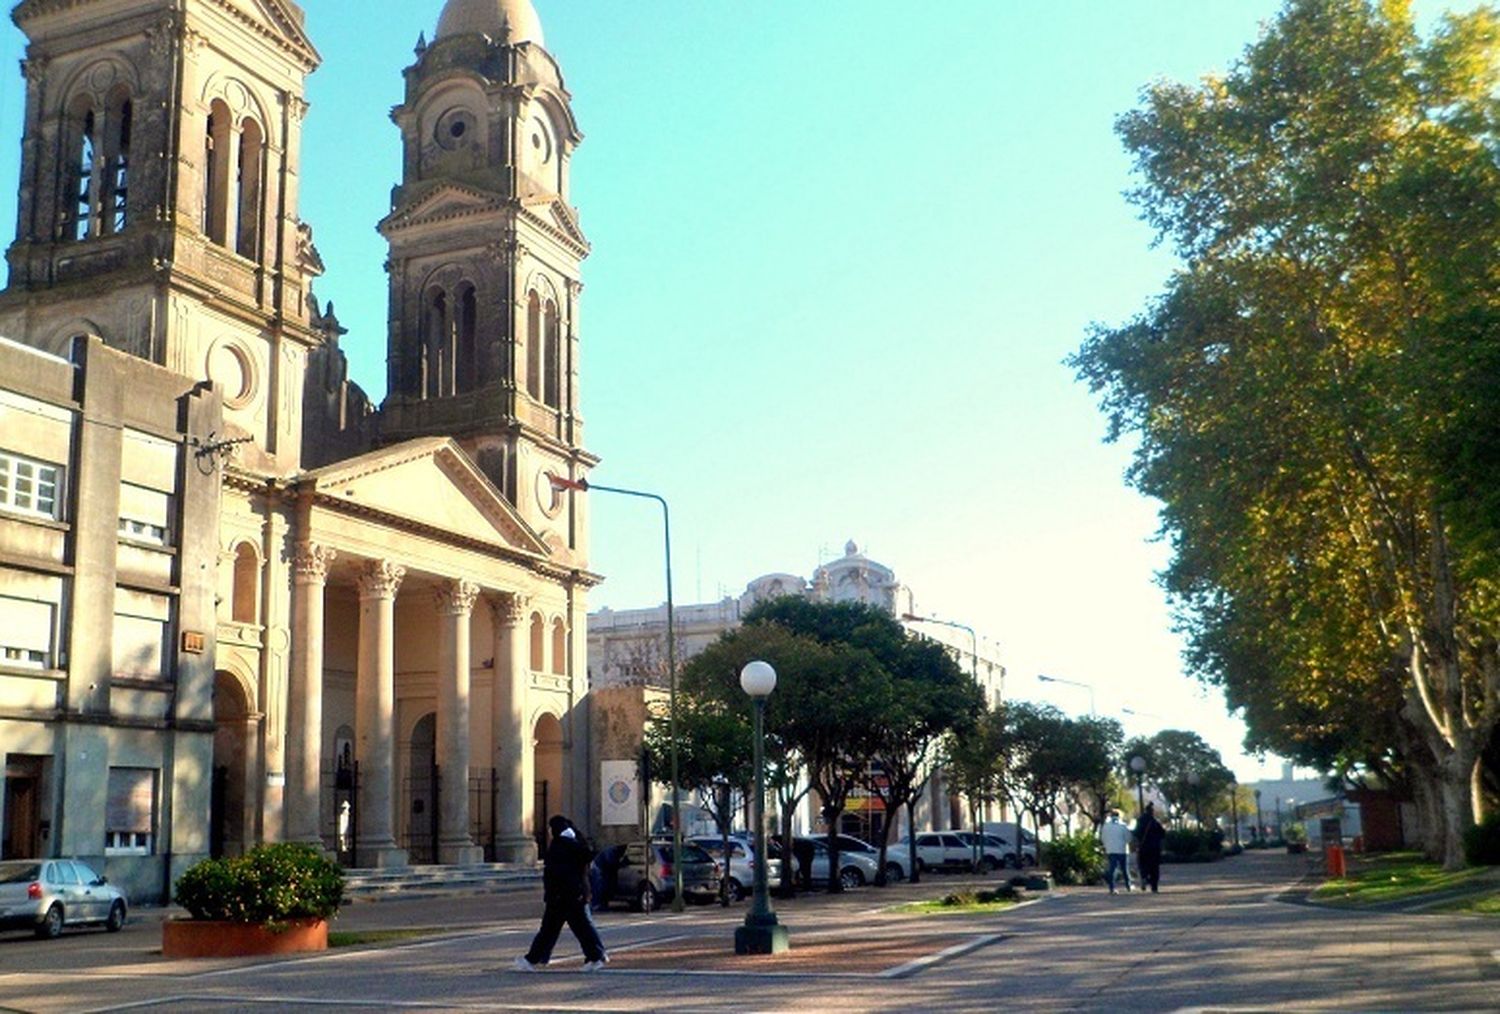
(1314, 393)
(859, 704)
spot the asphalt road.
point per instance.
(1218, 937)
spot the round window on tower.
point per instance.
(455, 129)
(539, 137)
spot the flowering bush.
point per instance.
(269, 884)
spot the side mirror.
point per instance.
(100, 882)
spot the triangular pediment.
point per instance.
(447, 200)
(553, 213)
(277, 17)
(429, 482)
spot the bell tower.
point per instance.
(485, 257)
(158, 197)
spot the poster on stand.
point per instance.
(620, 791)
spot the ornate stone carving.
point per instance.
(298, 107)
(456, 597)
(380, 579)
(160, 37)
(35, 69)
(511, 609)
(194, 42)
(310, 562)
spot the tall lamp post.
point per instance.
(1259, 827)
(584, 486)
(1138, 765)
(761, 934)
(1194, 779)
(1072, 683)
(1234, 810)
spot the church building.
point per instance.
(238, 602)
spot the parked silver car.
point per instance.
(739, 869)
(855, 868)
(46, 895)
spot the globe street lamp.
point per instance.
(761, 934)
(1138, 765)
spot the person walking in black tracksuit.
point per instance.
(565, 897)
(1148, 837)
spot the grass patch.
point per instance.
(964, 901)
(1479, 904)
(1395, 876)
(360, 938)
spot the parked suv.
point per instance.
(897, 857)
(1005, 833)
(991, 849)
(739, 865)
(45, 895)
(641, 873)
(940, 850)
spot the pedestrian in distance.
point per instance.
(1149, 835)
(565, 899)
(1115, 837)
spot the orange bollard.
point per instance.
(1334, 855)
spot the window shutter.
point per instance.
(131, 801)
(26, 625)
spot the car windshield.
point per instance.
(690, 853)
(16, 873)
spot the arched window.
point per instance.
(245, 607)
(533, 344)
(559, 648)
(538, 639)
(216, 173)
(436, 339)
(248, 190)
(116, 182)
(83, 176)
(467, 366)
(553, 354)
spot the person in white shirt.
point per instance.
(1115, 837)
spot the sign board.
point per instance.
(620, 793)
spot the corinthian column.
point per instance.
(508, 729)
(375, 700)
(455, 605)
(304, 754)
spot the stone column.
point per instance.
(375, 705)
(304, 735)
(508, 729)
(455, 605)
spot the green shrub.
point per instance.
(1482, 843)
(269, 884)
(1182, 843)
(1295, 834)
(1075, 859)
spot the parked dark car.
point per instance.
(641, 874)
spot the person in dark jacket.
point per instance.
(565, 899)
(1149, 835)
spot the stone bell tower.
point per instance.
(485, 256)
(158, 197)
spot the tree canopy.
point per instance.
(1313, 392)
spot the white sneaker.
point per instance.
(522, 965)
(594, 966)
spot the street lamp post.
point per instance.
(1234, 810)
(1138, 765)
(584, 486)
(1194, 779)
(761, 933)
(1072, 683)
(1259, 832)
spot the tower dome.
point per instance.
(512, 21)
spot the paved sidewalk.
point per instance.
(1216, 938)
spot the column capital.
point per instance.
(510, 609)
(310, 562)
(456, 598)
(379, 579)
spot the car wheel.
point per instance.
(1030, 860)
(988, 864)
(646, 900)
(1011, 861)
(849, 877)
(736, 890)
(894, 872)
(52, 924)
(116, 920)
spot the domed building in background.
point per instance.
(239, 602)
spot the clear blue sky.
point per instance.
(840, 251)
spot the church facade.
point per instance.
(253, 607)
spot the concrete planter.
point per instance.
(206, 938)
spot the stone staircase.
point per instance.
(415, 881)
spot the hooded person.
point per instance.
(1149, 835)
(565, 899)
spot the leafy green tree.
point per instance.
(1313, 392)
(1093, 757)
(1182, 767)
(974, 761)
